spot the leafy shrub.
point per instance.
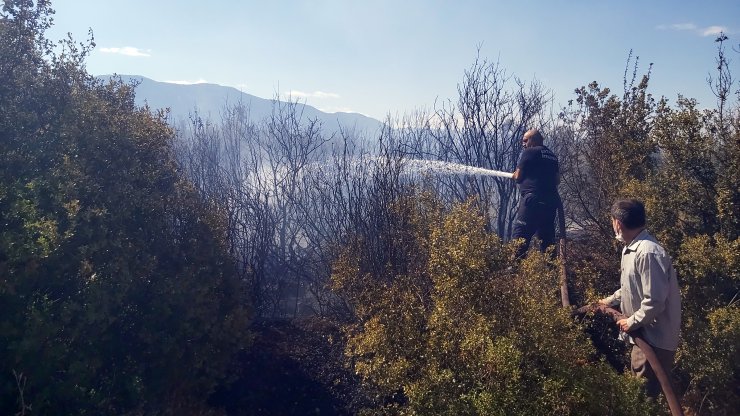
(464, 334)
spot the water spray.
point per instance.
(436, 166)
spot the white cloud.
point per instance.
(683, 26)
(332, 110)
(701, 31)
(315, 94)
(714, 30)
(321, 94)
(127, 51)
(187, 82)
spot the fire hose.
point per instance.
(660, 373)
(562, 254)
(663, 379)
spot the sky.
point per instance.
(394, 57)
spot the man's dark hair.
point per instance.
(630, 212)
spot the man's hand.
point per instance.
(623, 325)
(604, 302)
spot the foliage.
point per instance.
(682, 161)
(483, 128)
(122, 266)
(459, 333)
(116, 291)
(710, 358)
(417, 323)
(603, 142)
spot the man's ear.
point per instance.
(618, 223)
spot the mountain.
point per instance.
(210, 99)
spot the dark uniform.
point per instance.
(538, 186)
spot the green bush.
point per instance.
(464, 334)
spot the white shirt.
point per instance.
(649, 294)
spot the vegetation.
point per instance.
(151, 269)
(458, 333)
(683, 162)
(118, 296)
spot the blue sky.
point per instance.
(394, 56)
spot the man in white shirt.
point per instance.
(649, 295)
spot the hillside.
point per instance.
(210, 99)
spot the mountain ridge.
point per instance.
(208, 100)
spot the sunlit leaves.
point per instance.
(483, 339)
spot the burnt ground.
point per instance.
(294, 368)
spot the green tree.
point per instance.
(683, 163)
(116, 294)
(604, 142)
